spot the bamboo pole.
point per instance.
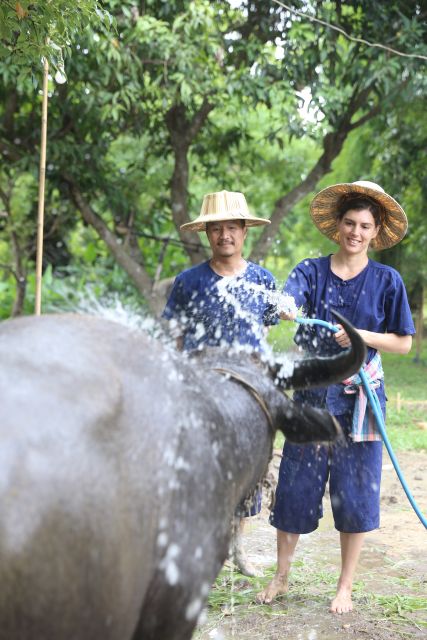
(42, 181)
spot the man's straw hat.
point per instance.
(325, 205)
(221, 206)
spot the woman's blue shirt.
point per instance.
(374, 300)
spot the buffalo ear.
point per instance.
(321, 371)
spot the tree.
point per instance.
(31, 30)
(400, 160)
(176, 89)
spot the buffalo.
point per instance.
(122, 463)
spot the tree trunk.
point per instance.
(179, 198)
(182, 133)
(20, 277)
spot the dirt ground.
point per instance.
(391, 582)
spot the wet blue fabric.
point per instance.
(251, 505)
(374, 300)
(207, 317)
(354, 474)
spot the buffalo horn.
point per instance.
(323, 371)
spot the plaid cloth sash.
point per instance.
(364, 427)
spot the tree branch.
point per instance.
(199, 119)
(332, 145)
(136, 272)
(182, 133)
(365, 118)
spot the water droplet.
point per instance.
(60, 77)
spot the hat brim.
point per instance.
(199, 224)
(324, 208)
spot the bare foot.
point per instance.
(241, 560)
(277, 587)
(248, 569)
(342, 603)
(245, 566)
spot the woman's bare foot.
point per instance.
(277, 587)
(342, 603)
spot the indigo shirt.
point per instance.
(374, 300)
(213, 310)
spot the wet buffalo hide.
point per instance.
(121, 465)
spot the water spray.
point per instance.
(376, 409)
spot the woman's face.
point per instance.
(356, 230)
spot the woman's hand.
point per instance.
(341, 337)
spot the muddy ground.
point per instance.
(390, 599)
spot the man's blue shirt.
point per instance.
(213, 310)
(374, 300)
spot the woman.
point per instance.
(357, 216)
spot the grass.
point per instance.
(406, 385)
(402, 609)
(406, 380)
(234, 595)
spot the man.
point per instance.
(225, 301)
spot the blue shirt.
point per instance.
(374, 300)
(212, 310)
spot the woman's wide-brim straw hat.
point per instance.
(325, 205)
(221, 206)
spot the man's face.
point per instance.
(226, 238)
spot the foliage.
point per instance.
(89, 285)
(400, 159)
(190, 96)
(31, 30)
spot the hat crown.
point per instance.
(223, 203)
(367, 184)
(221, 206)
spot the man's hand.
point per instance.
(289, 315)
